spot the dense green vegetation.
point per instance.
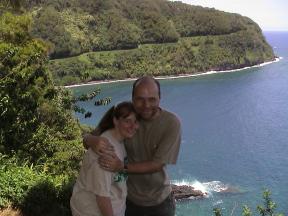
(156, 37)
(78, 26)
(32, 189)
(36, 117)
(188, 55)
(40, 140)
(75, 27)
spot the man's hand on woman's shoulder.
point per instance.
(100, 145)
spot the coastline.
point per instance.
(277, 59)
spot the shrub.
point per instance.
(32, 191)
(267, 209)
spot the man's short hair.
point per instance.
(145, 78)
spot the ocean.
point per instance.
(234, 133)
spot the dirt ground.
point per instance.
(10, 212)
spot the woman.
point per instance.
(98, 192)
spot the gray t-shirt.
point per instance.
(155, 140)
(93, 180)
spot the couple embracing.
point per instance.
(134, 140)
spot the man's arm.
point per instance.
(144, 167)
(105, 206)
(114, 164)
(167, 153)
(100, 145)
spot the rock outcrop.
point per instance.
(186, 192)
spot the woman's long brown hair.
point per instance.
(121, 110)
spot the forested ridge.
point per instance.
(115, 39)
(79, 26)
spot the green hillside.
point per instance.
(188, 55)
(112, 39)
(79, 26)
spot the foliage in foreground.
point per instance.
(40, 140)
(266, 209)
(32, 191)
(37, 122)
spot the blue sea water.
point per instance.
(235, 133)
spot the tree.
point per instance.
(15, 4)
(266, 210)
(269, 205)
(246, 211)
(24, 81)
(37, 121)
(217, 212)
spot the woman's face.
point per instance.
(127, 126)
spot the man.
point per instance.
(155, 144)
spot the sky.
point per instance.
(270, 15)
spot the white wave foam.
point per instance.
(205, 187)
(216, 186)
(218, 202)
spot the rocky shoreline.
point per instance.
(187, 192)
(182, 192)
